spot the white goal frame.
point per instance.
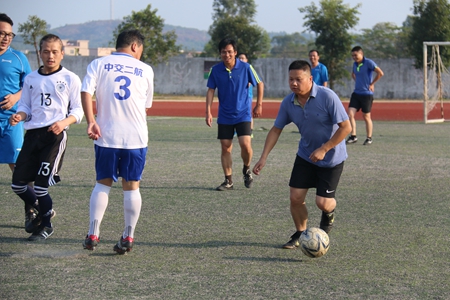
(426, 100)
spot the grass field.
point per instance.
(391, 239)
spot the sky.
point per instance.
(272, 15)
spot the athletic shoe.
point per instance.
(248, 179)
(124, 245)
(91, 242)
(41, 234)
(368, 141)
(327, 220)
(34, 224)
(30, 217)
(293, 242)
(352, 139)
(225, 186)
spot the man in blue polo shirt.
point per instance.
(231, 78)
(319, 71)
(362, 96)
(323, 125)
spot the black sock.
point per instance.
(228, 179)
(245, 169)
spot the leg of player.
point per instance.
(327, 206)
(227, 162)
(132, 203)
(369, 128)
(351, 115)
(98, 204)
(245, 143)
(299, 214)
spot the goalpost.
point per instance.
(436, 83)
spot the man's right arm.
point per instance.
(209, 100)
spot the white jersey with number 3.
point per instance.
(123, 89)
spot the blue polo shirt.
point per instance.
(235, 106)
(320, 74)
(317, 122)
(14, 67)
(363, 75)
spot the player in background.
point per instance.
(14, 67)
(123, 86)
(50, 102)
(362, 96)
(231, 78)
(243, 57)
(319, 71)
(323, 125)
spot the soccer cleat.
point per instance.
(34, 222)
(41, 234)
(248, 179)
(327, 220)
(124, 245)
(352, 139)
(91, 242)
(31, 222)
(368, 141)
(293, 242)
(225, 186)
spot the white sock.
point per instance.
(132, 203)
(98, 205)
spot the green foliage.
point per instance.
(32, 31)
(158, 47)
(430, 23)
(382, 41)
(233, 19)
(331, 22)
(290, 45)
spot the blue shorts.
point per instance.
(11, 140)
(114, 163)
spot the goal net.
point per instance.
(436, 82)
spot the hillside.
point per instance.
(100, 34)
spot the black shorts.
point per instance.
(306, 175)
(41, 157)
(226, 132)
(363, 102)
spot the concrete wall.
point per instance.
(186, 76)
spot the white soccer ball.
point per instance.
(314, 242)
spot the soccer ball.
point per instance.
(314, 242)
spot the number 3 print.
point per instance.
(124, 92)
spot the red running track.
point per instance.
(381, 110)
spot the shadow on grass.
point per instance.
(263, 259)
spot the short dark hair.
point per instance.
(50, 38)
(128, 37)
(357, 48)
(225, 42)
(300, 65)
(314, 50)
(5, 18)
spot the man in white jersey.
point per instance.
(123, 86)
(49, 103)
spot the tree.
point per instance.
(429, 23)
(32, 31)
(234, 19)
(158, 47)
(331, 23)
(289, 45)
(382, 41)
